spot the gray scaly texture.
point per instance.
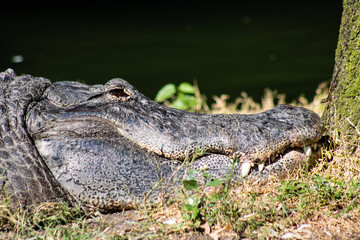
(23, 171)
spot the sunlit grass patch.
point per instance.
(46, 221)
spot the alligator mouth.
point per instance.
(282, 164)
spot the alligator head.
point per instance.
(108, 145)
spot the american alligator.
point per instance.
(109, 146)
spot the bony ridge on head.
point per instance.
(119, 89)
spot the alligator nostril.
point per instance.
(119, 93)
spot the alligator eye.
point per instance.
(119, 93)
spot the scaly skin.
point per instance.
(110, 145)
(22, 170)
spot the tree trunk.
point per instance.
(342, 113)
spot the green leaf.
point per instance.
(206, 175)
(188, 100)
(197, 223)
(214, 183)
(165, 92)
(195, 213)
(186, 87)
(189, 207)
(190, 184)
(214, 196)
(186, 216)
(179, 104)
(193, 172)
(193, 201)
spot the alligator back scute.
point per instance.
(23, 173)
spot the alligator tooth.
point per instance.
(245, 169)
(308, 151)
(261, 166)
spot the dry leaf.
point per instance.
(206, 227)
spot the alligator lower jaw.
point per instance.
(289, 161)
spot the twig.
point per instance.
(357, 130)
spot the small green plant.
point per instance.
(319, 192)
(180, 97)
(200, 206)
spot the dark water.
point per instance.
(227, 48)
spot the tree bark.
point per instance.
(342, 113)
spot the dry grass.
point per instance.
(246, 105)
(322, 203)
